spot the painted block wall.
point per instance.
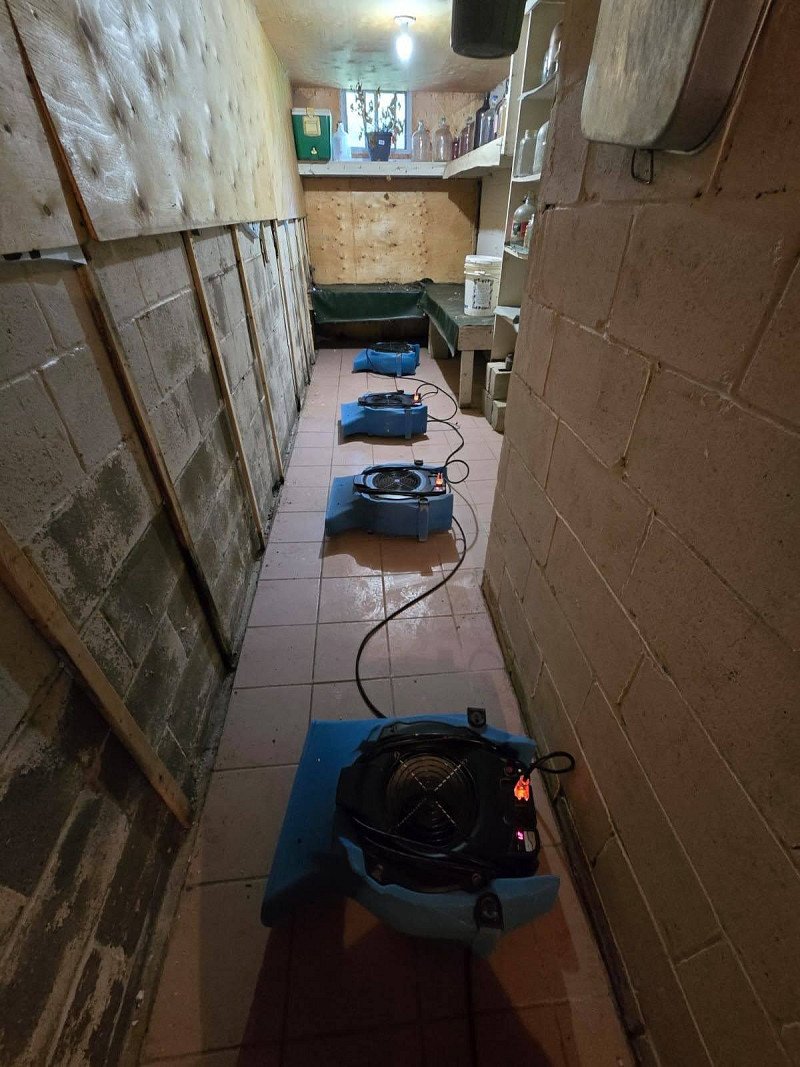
(643, 564)
(86, 846)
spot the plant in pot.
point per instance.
(380, 125)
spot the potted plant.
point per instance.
(381, 126)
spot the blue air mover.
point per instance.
(400, 499)
(428, 822)
(392, 414)
(388, 357)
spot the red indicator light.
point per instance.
(520, 835)
(439, 481)
(522, 790)
(416, 398)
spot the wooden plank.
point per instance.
(258, 355)
(28, 587)
(474, 337)
(287, 290)
(301, 287)
(360, 168)
(104, 321)
(265, 229)
(363, 230)
(225, 388)
(33, 210)
(170, 115)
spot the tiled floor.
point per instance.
(335, 987)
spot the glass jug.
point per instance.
(442, 142)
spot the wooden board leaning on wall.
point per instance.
(170, 115)
(371, 230)
(33, 211)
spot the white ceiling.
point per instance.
(338, 42)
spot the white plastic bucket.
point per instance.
(481, 284)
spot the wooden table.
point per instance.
(452, 333)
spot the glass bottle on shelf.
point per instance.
(466, 136)
(476, 129)
(456, 149)
(421, 144)
(340, 146)
(551, 56)
(523, 160)
(502, 115)
(442, 142)
(522, 218)
(541, 148)
(488, 120)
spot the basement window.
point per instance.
(355, 128)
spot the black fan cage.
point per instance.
(401, 480)
(432, 799)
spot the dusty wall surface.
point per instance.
(86, 844)
(643, 559)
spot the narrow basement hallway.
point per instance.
(336, 986)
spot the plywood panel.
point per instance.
(171, 115)
(371, 230)
(456, 108)
(33, 212)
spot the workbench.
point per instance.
(453, 333)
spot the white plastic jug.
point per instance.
(481, 284)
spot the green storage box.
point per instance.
(312, 134)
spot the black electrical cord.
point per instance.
(437, 390)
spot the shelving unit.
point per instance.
(530, 104)
(365, 168)
(478, 162)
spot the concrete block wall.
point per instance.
(86, 846)
(644, 561)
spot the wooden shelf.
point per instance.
(528, 179)
(479, 161)
(513, 250)
(545, 91)
(365, 168)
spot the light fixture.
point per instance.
(404, 42)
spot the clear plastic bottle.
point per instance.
(421, 150)
(541, 148)
(442, 142)
(523, 160)
(340, 146)
(523, 217)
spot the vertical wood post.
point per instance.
(104, 322)
(227, 395)
(255, 342)
(20, 575)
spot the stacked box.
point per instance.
(497, 379)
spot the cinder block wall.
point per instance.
(86, 846)
(643, 559)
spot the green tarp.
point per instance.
(364, 303)
(444, 303)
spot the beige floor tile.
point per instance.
(432, 694)
(341, 700)
(424, 646)
(481, 650)
(311, 457)
(305, 497)
(298, 526)
(264, 727)
(354, 599)
(337, 645)
(286, 560)
(399, 589)
(350, 554)
(317, 477)
(224, 977)
(240, 824)
(465, 593)
(276, 655)
(285, 602)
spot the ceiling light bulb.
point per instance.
(404, 43)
